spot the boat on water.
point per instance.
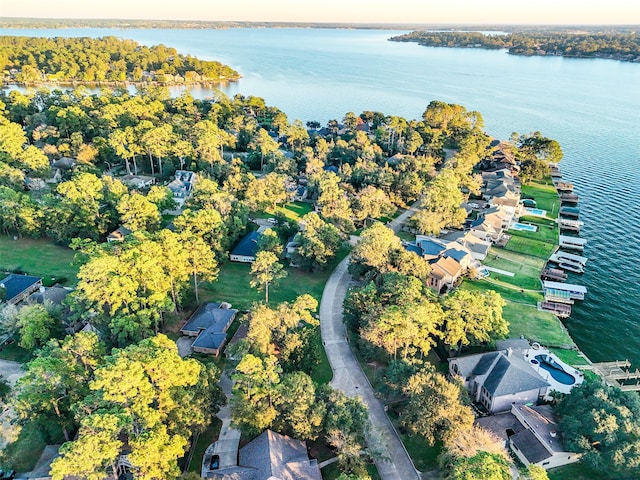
(572, 267)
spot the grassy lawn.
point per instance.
(527, 246)
(37, 257)
(523, 316)
(206, 438)
(526, 269)
(233, 285)
(545, 195)
(571, 357)
(408, 236)
(576, 471)
(293, 211)
(546, 233)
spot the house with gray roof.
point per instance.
(245, 251)
(497, 380)
(540, 442)
(270, 456)
(18, 287)
(209, 325)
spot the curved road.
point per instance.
(349, 377)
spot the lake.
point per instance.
(592, 107)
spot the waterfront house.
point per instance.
(18, 287)
(496, 380)
(445, 272)
(477, 247)
(485, 230)
(540, 442)
(245, 251)
(209, 325)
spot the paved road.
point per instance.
(349, 377)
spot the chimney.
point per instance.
(509, 351)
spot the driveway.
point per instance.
(349, 377)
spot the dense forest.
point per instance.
(618, 46)
(32, 60)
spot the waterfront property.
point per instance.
(540, 442)
(574, 292)
(496, 380)
(560, 376)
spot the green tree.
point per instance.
(319, 242)
(266, 192)
(36, 326)
(96, 449)
(481, 466)
(265, 270)
(602, 423)
(300, 411)
(473, 318)
(255, 390)
(138, 213)
(435, 410)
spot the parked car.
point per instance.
(272, 220)
(473, 205)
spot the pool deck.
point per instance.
(555, 385)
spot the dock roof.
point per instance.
(567, 287)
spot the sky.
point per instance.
(576, 12)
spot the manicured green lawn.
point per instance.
(547, 233)
(526, 268)
(37, 257)
(523, 316)
(545, 195)
(577, 471)
(572, 357)
(527, 246)
(293, 211)
(233, 285)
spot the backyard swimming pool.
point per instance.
(537, 212)
(555, 369)
(524, 227)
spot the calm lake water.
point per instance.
(592, 107)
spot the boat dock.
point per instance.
(568, 224)
(617, 374)
(561, 310)
(553, 274)
(564, 186)
(562, 257)
(572, 243)
(569, 198)
(570, 212)
(575, 292)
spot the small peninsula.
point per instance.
(36, 61)
(616, 46)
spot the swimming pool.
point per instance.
(524, 227)
(537, 212)
(555, 369)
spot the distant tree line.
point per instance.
(106, 59)
(619, 46)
